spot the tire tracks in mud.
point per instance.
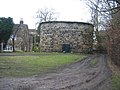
(77, 76)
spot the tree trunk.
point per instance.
(13, 44)
(1, 47)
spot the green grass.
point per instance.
(22, 66)
(37, 53)
(115, 82)
(94, 62)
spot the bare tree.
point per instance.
(100, 15)
(46, 14)
(114, 33)
(109, 10)
(96, 16)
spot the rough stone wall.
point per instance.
(77, 34)
(21, 33)
(24, 34)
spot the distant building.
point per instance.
(8, 48)
(23, 37)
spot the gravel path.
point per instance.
(77, 76)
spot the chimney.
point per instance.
(21, 21)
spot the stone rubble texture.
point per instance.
(54, 34)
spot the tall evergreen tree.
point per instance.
(6, 26)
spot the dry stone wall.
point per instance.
(78, 35)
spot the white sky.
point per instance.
(68, 10)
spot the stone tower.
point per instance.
(62, 36)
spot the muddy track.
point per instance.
(78, 76)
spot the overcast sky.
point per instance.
(67, 10)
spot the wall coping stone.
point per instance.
(72, 22)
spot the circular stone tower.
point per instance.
(62, 36)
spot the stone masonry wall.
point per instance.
(77, 34)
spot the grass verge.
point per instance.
(22, 66)
(115, 82)
(115, 75)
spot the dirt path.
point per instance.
(78, 76)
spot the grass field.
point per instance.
(22, 66)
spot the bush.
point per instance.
(36, 49)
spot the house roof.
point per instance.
(18, 27)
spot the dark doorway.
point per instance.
(66, 48)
